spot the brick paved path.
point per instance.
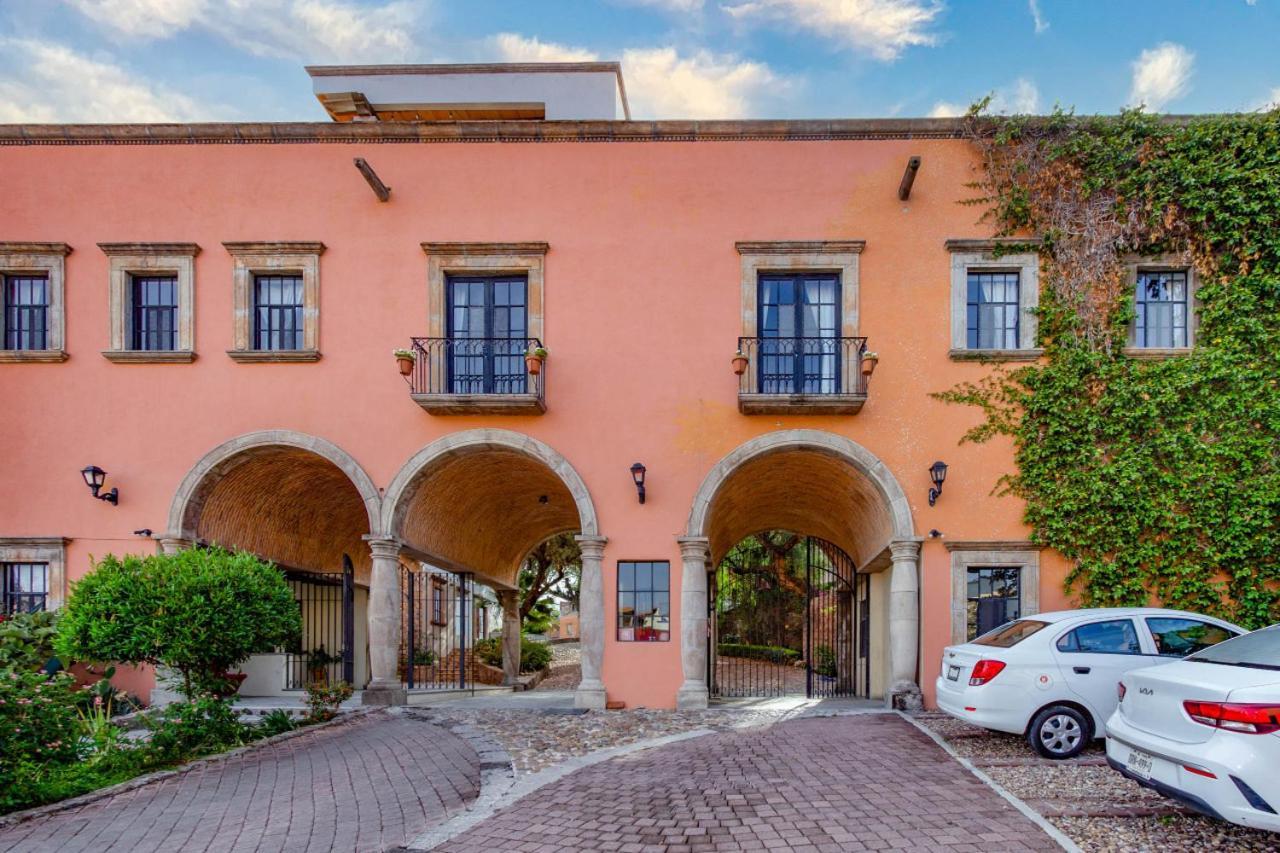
(820, 784)
(374, 782)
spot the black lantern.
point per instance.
(637, 475)
(938, 474)
(94, 477)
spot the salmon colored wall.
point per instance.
(642, 314)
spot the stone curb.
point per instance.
(498, 791)
(15, 818)
(1031, 814)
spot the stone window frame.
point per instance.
(789, 256)
(998, 554)
(51, 550)
(274, 257)
(49, 259)
(446, 259)
(981, 255)
(126, 260)
(1163, 263)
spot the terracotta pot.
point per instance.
(534, 364)
(739, 364)
(869, 366)
(406, 366)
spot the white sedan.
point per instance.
(1052, 677)
(1206, 730)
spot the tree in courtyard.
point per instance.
(553, 570)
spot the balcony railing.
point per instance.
(808, 374)
(454, 376)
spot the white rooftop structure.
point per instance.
(496, 91)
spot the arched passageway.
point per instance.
(477, 502)
(820, 485)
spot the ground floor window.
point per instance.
(25, 587)
(644, 601)
(994, 597)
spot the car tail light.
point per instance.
(1120, 690)
(1236, 717)
(985, 670)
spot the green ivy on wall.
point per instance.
(1159, 479)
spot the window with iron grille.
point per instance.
(1161, 309)
(991, 315)
(488, 329)
(154, 317)
(798, 321)
(644, 601)
(25, 587)
(26, 312)
(277, 312)
(994, 598)
(437, 602)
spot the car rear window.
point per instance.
(1260, 650)
(1011, 633)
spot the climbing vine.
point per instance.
(1158, 478)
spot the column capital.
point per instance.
(591, 546)
(694, 547)
(380, 546)
(905, 549)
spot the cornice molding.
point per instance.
(988, 244)
(15, 248)
(275, 247)
(110, 249)
(993, 545)
(800, 247)
(480, 249)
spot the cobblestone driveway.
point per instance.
(869, 782)
(371, 783)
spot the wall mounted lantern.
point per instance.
(94, 477)
(938, 474)
(637, 474)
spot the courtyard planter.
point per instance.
(740, 361)
(405, 359)
(533, 360)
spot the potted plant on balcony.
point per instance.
(405, 358)
(740, 362)
(533, 358)
(869, 362)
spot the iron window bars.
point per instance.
(277, 312)
(26, 312)
(475, 366)
(803, 366)
(155, 313)
(25, 587)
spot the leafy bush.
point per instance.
(534, 656)
(199, 612)
(38, 719)
(34, 783)
(275, 722)
(825, 661)
(323, 699)
(26, 639)
(189, 729)
(773, 654)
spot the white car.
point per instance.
(1052, 677)
(1206, 730)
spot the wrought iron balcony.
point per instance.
(455, 376)
(810, 375)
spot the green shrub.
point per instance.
(323, 699)
(26, 639)
(534, 656)
(189, 729)
(199, 612)
(33, 783)
(824, 661)
(490, 651)
(275, 722)
(38, 719)
(773, 654)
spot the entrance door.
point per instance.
(488, 333)
(799, 319)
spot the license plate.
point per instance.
(953, 673)
(1139, 763)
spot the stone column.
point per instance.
(385, 687)
(904, 625)
(695, 551)
(590, 693)
(509, 600)
(172, 544)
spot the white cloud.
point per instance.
(49, 82)
(1038, 16)
(1270, 102)
(682, 7)
(1019, 98)
(1161, 74)
(305, 30)
(881, 28)
(661, 83)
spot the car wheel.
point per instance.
(1059, 732)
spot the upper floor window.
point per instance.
(155, 313)
(991, 310)
(24, 587)
(1161, 305)
(488, 334)
(799, 331)
(26, 312)
(994, 597)
(644, 601)
(277, 312)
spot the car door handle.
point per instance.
(1080, 670)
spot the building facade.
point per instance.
(208, 312)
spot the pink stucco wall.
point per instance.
(642, 313)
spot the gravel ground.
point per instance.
(1088, 786)
(566, 669)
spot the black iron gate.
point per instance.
(797, 626)
(326, 651)
(438, 631)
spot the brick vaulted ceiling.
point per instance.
(804, 491)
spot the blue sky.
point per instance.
(241, 60)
